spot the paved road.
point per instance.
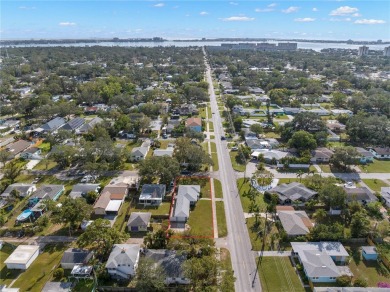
(243, 261)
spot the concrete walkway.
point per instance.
(274, 253)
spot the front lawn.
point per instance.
(256, 231)
(236, 162)
(243, 188)
(41, 269)
(201, 219)
(217, 189)
(378, 166)
(278, 274)
(221, 219)
(375, 184)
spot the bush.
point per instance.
(58, 273)
(343, 281)
(299, 267)
(360, 282)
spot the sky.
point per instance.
(186, 19)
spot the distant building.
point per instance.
(380, 152)
(194, 124)
(288, 193)
(363, 51)
(386, 52)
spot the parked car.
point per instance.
(223, 138)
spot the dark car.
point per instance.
(223, 138)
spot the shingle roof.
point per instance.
(75, 256)
(295, 222)
(191, 192)
(139, 219)
(22, 188)
(360, 194)
(139, 151)
(48, 191)
(18, 146)
(80, 189)
(53, 124)
(123, 255)
(152, 191)
(193, 122)
(293, 191)
(170, 260)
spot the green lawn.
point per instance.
(83, 285)
(213, 147)
(209, 113)
(277, 274)
(221, 219)
(369, 270)
(120, 220)
(256, 237)
(163, 209)
(245, 202)
(235, 163)
(6, 276)
(43, 166)
(45, 147)
(217, 189)
(41, 269)
(375, 184)
(202, 112)
(214, 157)
(272, 135)
(325, 168)
(211, 126)
(201, 219)
(212, 137)
(378, 166)
(204, 183)
(287, 180)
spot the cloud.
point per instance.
(356, 15)
(159, 5)
(370, 21)
(66, 23)
(344, 10)
(272, 5)
(238, 18)
(315, 9)
(26, 7)
(203, 13)
(306, 19)
(264, 10)
(233, 3)
(291, 9)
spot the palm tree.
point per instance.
(299, 175)
(320, 215)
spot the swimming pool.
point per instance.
(24, 216)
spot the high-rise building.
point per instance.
(363, 51)
(386, 51)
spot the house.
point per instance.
(86, 127)
(110, 200)
(321, 155)
(123, 261)
(295, 223)
(52, 125)
(269, 154)
(82, 272)
(152, 194)
(80, 190)
(16, 148)
(52, 192)
(9, 125)
(75, 256)
(237, 109)
(363, 195)
(138, 153)
(369, 253)
(292, 110)
(188, 109)
(319, 260)
(128, 178)
(256, 144)
(187, 196)
(171, 261)
(293, 192)
(385, 193)
(337, 112)
(194, 124)
(380, 152)
(24, 190)
(164, 152)
(365, 155)
(74, 124)
(22, 257)
(139, 221)
(31, 153)
(335, 126)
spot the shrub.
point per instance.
(360, 282)
(58, 273)
(343, 281)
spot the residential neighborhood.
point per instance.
(193, 169)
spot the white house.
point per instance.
(380, 152)
(123, 261)
(22, 257)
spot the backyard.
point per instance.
(278, 274)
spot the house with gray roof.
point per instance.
(80, 190)
(321, 155)
(24, 190)
(51, 192)
(365, 156)
(138, 153)
(292, 192)
(52, 125)
(74, 124)
(171, 261)
(380, 152)
(319, 260)
(186, 197)
(164, 152)
(123, 261)
(295, 223)
(139, 221)
(75, 256)
(362, 195)
(89, 126)
(16, 148)
(385, 193)
(152, 194)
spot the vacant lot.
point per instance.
(277, 274)
(201, 219)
